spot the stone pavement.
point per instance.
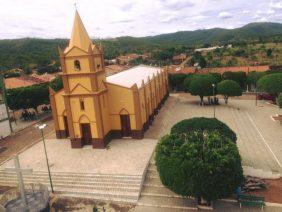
(259, 137)
(155, 197)
(113, 174)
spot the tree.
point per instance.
(201, 85)
(57, 83)
(271, 84)
(202, 165)
(229, 88)
(253, 77)
(176, 81)
(28, 97)
(202, 124)
(187, 82)
(239, 77)
(279, 100)
(269, 52)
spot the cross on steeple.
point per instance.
(19, 172)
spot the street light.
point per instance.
(41, 128)
(213, 87)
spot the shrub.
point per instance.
(199, 165)
(203, 124)
(57, 83)
(271, 84)
(229, 88)
(279, 100)
(201, 85)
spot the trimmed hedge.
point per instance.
(197, 164)
(202, 124)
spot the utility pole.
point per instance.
(5, 100)
(41, 128)
(213, 87)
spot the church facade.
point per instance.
(92, 109)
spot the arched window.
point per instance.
(77, 65)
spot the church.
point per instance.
(92, 109)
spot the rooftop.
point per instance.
(134, 75)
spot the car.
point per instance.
(267, 96)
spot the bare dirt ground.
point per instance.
(86, 205)
(273, 193)
(23, 139)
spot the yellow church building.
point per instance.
(91, 108)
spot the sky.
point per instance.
(113, 18)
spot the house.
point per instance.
(179, 58)
(92, 109)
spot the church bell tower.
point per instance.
(85, 93)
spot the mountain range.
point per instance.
(19, 52)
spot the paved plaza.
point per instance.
(127, 156)
(259, 137)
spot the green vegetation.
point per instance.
(176, 81)
(257, 42)
(202, 165)
(253, 77)
(229, 88)
(201, 85)
(57, 83)
(279, 100)
(28, 97)
(271, 83)
(239, 77)
(203, 124)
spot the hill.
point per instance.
(39, 52)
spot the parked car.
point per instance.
(266, 96)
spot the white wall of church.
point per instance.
(4, 123)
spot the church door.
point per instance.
(125, 126)
(66, 126)
(86, 134)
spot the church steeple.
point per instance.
(79, 36)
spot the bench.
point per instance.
(248, 200)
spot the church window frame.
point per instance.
(82, 104)
(77, 65)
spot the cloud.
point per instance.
(246, 11)
(177, 4)
(225, 15)
(276, 5)
(112, 18)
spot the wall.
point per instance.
(4, 123)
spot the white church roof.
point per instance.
(134, 75)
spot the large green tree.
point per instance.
(271, 84)
(201, 164)
(201, 85)
(253, 77)
(28, 97)
(229, 88)
(202, 124)
(239, 77)
(176, 81)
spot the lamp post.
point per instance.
(213, 87)
(41, 128)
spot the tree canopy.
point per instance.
(206, 165)
(271, 84)
(229, 88)
(176, 81)
(202, 124)
(201, 85)
(239, 77)
(28, 97)
(57, 83)
(279, 100)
